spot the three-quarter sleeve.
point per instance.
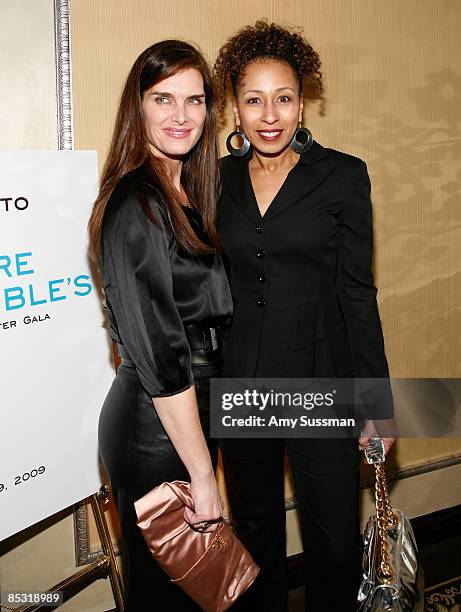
(357, 291)
(139, 290)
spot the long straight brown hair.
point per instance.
(129, 149)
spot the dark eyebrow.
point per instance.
(260, 91)
(166, 94)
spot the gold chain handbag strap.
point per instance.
(385, 516)
(385, 519)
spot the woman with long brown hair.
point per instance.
(152, 231)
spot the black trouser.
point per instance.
(138, 455)
(326, 479)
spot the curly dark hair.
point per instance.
(266, 41)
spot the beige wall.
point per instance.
(27, 75)
(393, 97)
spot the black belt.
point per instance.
(203, 338)
(205, 345)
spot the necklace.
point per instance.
(185, 200)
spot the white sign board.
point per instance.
(55, 367)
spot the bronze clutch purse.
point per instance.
(214, 569)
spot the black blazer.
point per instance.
(301, 278)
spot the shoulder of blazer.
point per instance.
(347, 162)
(230, 165)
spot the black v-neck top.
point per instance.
(154, 288)
(248, 186)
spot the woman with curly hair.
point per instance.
(295, 223)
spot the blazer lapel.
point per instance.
(311, 170)
(238, 183)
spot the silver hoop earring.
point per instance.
(302, 140)
(243, 149)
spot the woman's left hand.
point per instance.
(371, 429)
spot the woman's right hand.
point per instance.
(180, 418)
(208, 505)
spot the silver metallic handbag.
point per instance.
(393, 577)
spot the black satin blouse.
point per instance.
(154, 288)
